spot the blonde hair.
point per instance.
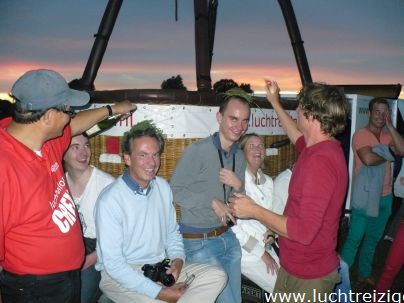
(243, 140)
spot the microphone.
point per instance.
(281, 143)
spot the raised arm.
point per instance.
(87, 118)
(288, 124)
(398, 140)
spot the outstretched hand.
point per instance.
(243, 206)
(272, 89)
(124, 107)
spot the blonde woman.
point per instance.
(258, 262)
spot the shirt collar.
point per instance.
(218, 145)
(260, 179)
(134, 186)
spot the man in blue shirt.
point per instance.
(136, 225)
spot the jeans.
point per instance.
(223, 251)
(63, 288)
(368, 229)
(90, 280)
(344, 286)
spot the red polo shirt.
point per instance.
(40, 230)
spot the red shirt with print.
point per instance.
(40, 230)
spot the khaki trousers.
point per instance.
(305, 290)
(208, 283)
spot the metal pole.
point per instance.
(202, 49)
(100, 44)
(296, 40)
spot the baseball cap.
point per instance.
(42, 89)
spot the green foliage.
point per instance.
(173, 83)
(240, 93)
(145, 124)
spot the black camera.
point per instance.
(157, 272)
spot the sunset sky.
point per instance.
(346, 41)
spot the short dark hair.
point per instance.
(224, 103)
(26, 116)
(234, 93)
(6, 108)
(325, 103)
(30, 116)
(134, 134)
(377, 100)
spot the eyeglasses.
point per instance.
(255, 147)
(66, 110)
(71, 113)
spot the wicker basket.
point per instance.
(273, 165)
(174, 148)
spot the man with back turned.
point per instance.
(309, 225)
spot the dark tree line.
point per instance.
(221, 86)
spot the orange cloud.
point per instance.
(146, 75)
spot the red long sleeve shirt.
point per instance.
(316, 194)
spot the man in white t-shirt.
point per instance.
(85, 183)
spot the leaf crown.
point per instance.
(239, 93)
(143, 125)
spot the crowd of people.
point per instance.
(73, 233)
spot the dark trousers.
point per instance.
(61, 287)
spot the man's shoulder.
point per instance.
(160, 180)
(200, 146)
(201, 142)
(162, 183)
(364, 132)
(361, 132)
(8, 144)
(112, 189)
(361, 136)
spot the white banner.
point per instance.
(190, 121)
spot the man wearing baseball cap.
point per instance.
(41, 248)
